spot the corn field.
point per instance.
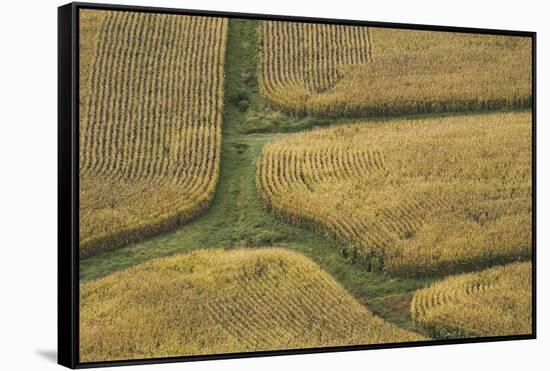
(493, 302)
(215, 301)
(410, 197)
(150, 131)
(416, 197)
(301, 59)
(335, 70)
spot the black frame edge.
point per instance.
(67, 312)
(534, 183)
(279, 17)
(68, 185)
(285, 352)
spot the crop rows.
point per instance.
(215, 301)
(150, 128)
(299, 59)
(335, 70)
(411, 197)
(493, 302)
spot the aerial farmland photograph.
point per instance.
(264, 185)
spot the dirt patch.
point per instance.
(400, 304)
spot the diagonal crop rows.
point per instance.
(410, 197)
(216, 301)
(493, 302)
(150, 129)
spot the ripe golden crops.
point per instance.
(215, 301)
(412, 197)
(493, 302)
(150, 122)
(334, 70)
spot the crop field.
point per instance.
(252, 185)
(411, 197)
(213, 301)
(149, 142)
(492, 302)
(335, 70)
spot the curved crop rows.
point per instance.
(334, 70)
(493, 302)
(302, 59)
(411, 197)
(215, 301)
(150, 131)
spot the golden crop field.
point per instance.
(335, 70)
(493, 302)
(414, 197)
(151, 102)
(421, 172)
(216, 301)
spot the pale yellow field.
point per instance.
(216, 301)
(413, 197)
(151, 103)
(335, 70)
(493, 302)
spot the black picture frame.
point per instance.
(68, 183)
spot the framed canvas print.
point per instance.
(236, 185)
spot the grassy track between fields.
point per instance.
(236, 217)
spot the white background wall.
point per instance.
(28, 152)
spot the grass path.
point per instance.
(237, 218)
